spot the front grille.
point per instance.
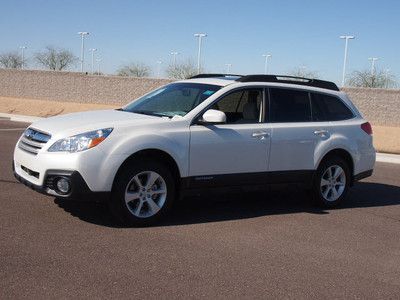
(33, 140)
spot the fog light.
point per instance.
(63, 185)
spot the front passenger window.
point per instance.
(241, 107)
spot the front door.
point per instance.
(233, 150)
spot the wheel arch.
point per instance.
(155, 154)
(342, 153)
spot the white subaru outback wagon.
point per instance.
(210, 131)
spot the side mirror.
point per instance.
(213, 116)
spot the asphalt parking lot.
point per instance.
(265, 245)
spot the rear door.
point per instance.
(294, 135)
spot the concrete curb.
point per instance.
(380, 157)
(20, 118)
(388, 158)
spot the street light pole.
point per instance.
(159, 62)
(387, 78)
(174, 54)
(200, 37)
(23, 56)
(93, 50)
(346, 38)
(228, 68)
(98, 60)
(82, 34)
(373, 60)
(267, 56)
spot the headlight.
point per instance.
(81, 141)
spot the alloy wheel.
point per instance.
(333, 183)
(145, 194)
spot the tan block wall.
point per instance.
(74, 87)
(379, 106)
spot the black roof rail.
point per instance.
(212, 75)
(290, 79)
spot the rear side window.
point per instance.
(289, 106)
(329, 108)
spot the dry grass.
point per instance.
(386, 139)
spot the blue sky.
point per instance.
(296, 33)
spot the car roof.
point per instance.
(221, 81)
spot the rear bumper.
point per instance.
(79, 189)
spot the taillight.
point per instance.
(367, 128)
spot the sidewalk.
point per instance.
(388, 158)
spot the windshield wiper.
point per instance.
(162, 114)
(150, 113)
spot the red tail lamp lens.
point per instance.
(367, 128)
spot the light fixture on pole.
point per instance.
(98, 60)
(23, 56)
(82, 34)
(174, 54)
(93, 50)
(387, 72)
(200, 36)
(159, 62)
(228, 68)
(346, 38)
(373, 60)
(267, 56)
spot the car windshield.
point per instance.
(173, 99)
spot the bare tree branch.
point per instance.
(379, 79)
(134, 70)
(182, 70)
(303, 72)
(56, 58)
(11, 60)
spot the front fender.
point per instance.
(117, 152)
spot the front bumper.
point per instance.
(79, 189)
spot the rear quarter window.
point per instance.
(329, 108)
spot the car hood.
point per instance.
(75, 123)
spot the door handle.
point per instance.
(321, 132)
(262, 134)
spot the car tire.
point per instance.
(331, 182)
(143, 193)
